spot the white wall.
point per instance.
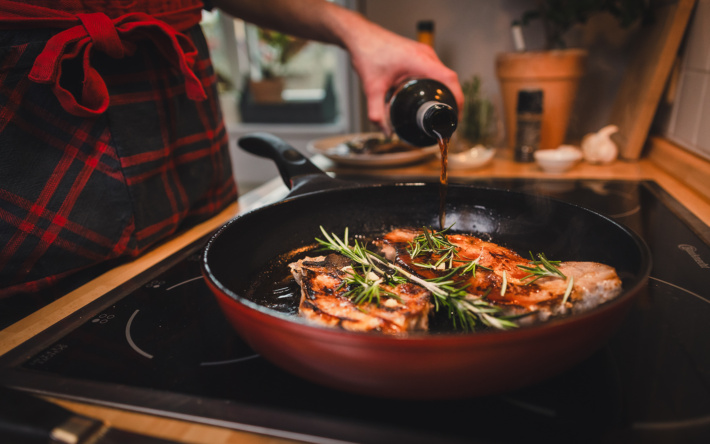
(469, 34)
(688, 121)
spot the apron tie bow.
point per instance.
(103, 34)
(115, 38)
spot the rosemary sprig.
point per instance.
(366, 288)
(435, 243)
(541, 268)
(546, 268)
(465, 309)
(483, 311)
(568, 291)
(356, 253)
(472, 266)
(365, 285)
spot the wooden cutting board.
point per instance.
(646, 76)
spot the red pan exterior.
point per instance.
(425, 366)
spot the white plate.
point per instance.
(558, 160)
(475, 157)
(334, 149)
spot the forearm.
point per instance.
(380, 57)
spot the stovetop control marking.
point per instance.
(130, 339)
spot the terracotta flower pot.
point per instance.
(556, 73)
(267, 90)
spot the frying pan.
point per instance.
(425, 365)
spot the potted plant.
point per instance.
(556, 69)
(473, 144)
(270, 58)
(478, 125)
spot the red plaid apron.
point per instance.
(111, 136)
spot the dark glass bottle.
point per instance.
(529, 122)
(421, 111)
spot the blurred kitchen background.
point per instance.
(321, 93)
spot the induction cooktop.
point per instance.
(159, 344)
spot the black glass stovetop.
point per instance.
(160, 345)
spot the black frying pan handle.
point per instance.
(291, 163)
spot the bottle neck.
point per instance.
(436, 119)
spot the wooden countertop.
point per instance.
(656, 167)
(182, 431)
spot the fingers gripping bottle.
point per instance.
(422, 112)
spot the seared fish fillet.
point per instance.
(594, 283)
(323, 301)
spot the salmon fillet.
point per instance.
(324, 301)
(502, 280)
(511, 285)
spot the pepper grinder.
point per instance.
(529, 122)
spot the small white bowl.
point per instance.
(475, 157)
(558, 160)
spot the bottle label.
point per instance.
(527, 139)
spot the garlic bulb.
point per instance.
(598, 147)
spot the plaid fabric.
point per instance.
(115, 8)
(77, 191)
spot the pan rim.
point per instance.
(521, 334)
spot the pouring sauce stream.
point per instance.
(443, 177)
